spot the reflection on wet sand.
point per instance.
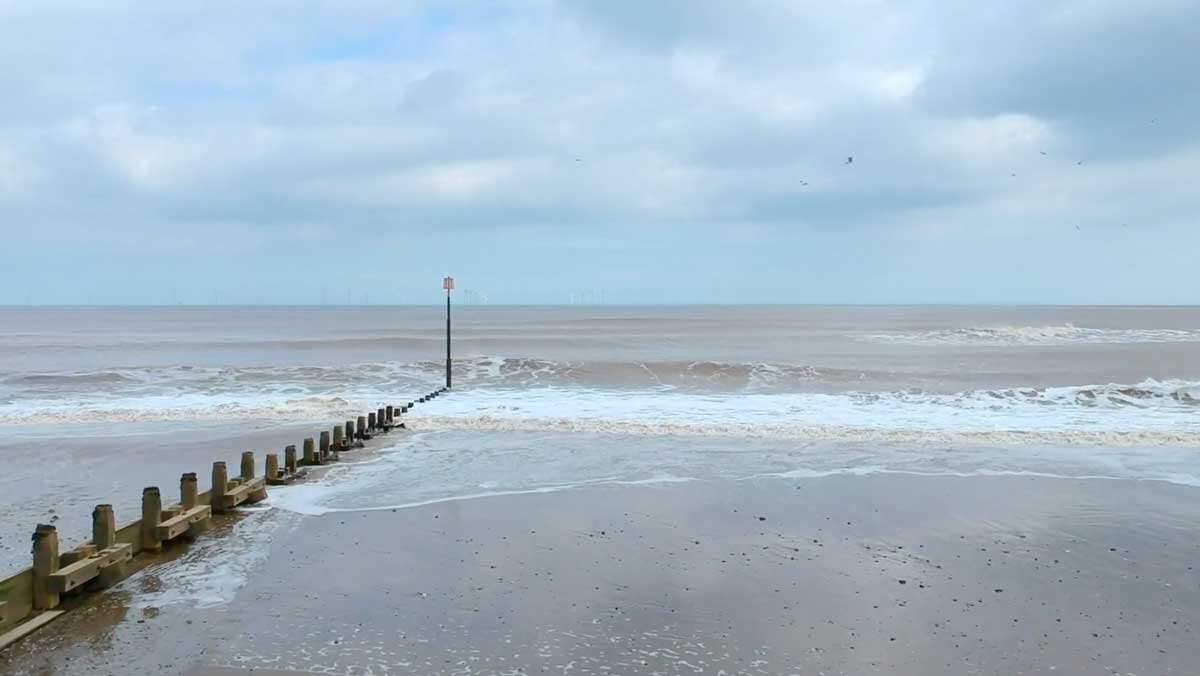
(876, 574)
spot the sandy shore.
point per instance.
(58, 479)
(881, 574)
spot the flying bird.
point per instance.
(1079, 163)
(850, 160)
(1042, 152)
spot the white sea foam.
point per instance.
(1179, 479)
(1065, 334)
(1150, 412)
(212, 571)
(434, 468)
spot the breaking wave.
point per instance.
(1065, 334)
(1150, 412)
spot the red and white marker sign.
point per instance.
(448, 284)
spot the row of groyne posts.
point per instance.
(32, 597)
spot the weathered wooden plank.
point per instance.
(69, 577)
(21, 631)
(118, 553)
(180, 524)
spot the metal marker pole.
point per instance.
(448, 285)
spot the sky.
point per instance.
(1042, 151)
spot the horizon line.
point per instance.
(440, 304)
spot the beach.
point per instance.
(838, 575)
(766, 490)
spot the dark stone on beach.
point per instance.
(762, 518)
(903, 581)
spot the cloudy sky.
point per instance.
(1042, 151)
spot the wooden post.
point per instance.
(272, 467)
(310, 453)
(104, 527)
(189, 493)
(350, 433)
(372, 425)
(380, 421)
(220, 486)
(189, 490)
(45, 563)
(389, 412)
(289, 459)
(338, 439)
(104, 535)
(259, 493)
(361, 426)
(324, 446)
(151, 517)
(247, 466)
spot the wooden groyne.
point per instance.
(57, 581)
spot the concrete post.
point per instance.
(151, 517)
(45, 562)
(272, 466)
(289, 459)
(247, 466)
(189, 490)
(310, 452)
(220, 486)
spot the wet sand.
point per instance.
(881, 574)
(58, 476)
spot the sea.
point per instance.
(98, 402)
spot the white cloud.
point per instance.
(993, 140)
(575, 116)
